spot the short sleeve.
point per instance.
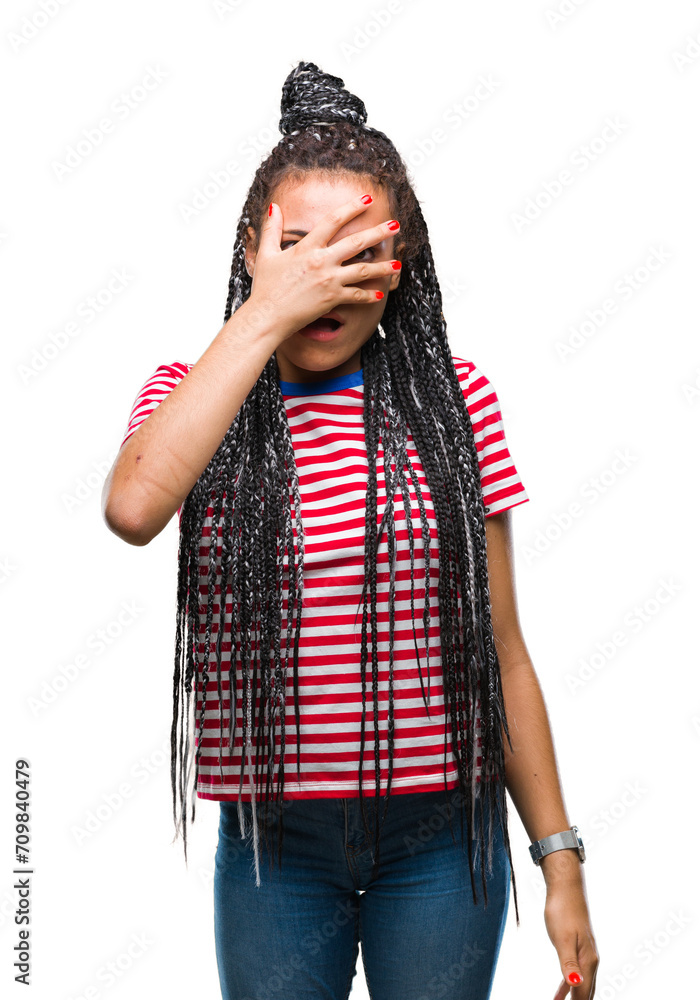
(501, 484)
(152, 392)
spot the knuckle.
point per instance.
(316, 259)
(356, 240)
(358, 295)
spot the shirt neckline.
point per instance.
(323, 387)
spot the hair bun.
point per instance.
(311, 97)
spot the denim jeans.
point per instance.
(297, 937)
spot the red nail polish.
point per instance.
(393, 224)
(366, 198)
(269, 211)
(574, 978)
(380, 295)
(396, 264)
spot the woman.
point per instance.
(334, 349)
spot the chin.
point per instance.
(318, 358)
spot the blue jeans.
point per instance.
(297, 936)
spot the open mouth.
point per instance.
(324, 325)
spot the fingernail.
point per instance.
(396, 264)
(393, 224)
(269, 211)
(574, 978)
(366, 198)
(380, 295)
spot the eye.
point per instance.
(358, 256)
(367, 250)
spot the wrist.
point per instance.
(257, 322)
(561, 866)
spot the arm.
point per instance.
(157, 467)
(532, 776)
(162, 460)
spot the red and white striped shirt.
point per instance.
(326, 421)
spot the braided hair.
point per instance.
(244, 494)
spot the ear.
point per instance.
(250, 251)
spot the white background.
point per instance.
(607, 598)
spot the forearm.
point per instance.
(532, 776)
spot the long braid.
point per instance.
(246, 495)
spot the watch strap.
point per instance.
(557, 842)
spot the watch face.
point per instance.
(581, 851)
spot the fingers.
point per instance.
(574, 984)
(563, 991)
(312, 261)
(348, 247)
(579, 964)
(329, 225)
(360, 296)
(272, 229)
(355, 242)
(365, 270)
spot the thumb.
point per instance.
(572, 972)
(271, 233)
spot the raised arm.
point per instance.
(163, 459)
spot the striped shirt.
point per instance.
(326, 421)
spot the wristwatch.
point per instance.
(556, 842)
